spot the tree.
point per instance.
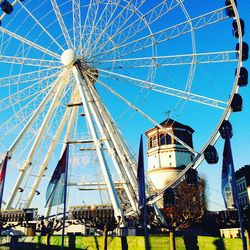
(189, 208)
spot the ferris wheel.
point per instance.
(94, 73)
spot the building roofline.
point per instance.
(244, 172)
(169, 123)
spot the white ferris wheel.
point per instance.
(94, 73)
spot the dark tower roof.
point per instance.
(174, 124)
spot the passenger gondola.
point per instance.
(236, 28)
(211, 155)
(6, 7)
(226, 128)
(169, 199)
(236, 104)
(243, 77)
(191, 177)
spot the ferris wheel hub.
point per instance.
(68, 57)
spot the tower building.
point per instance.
(167, 157)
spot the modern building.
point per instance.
(243, 185)
(166, 156)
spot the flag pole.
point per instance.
(228, 177)
(142, 193)
(65, 195)
(242, 226)
(236, 200)
(2, 177)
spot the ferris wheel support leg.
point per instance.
(28, 161)
(116, 137)
(100, 118)
(124, 150)
(44, 164)
(66, 139)
(34, 116)
(98, 145)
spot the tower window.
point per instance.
(162, 139)
(168, 139)
(155, 141)
(150, 142)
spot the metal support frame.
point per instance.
(113, 147)
(45, 162)
(98, 145)
(67, 135)
(60, 84)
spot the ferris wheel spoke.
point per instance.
(87, 23)
(20, 96)
(90, 22)
(38, 75)
(41, 26)
(141, 23)
(170, 91)
(76, 9)
(18, 118)
(169, 33)
(68, 115)
(28, 162)
(144, 115)
(104, 29)
(174, 60)
(30, 43)
(61, 23)
(26, 93)
(102, 19)
(94, 13)
(29, 61)
(36, 113)
(122, 19)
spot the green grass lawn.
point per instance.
(123, 243)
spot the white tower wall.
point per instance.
(165, 162)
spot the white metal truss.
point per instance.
(70, 126)
(171, 91)
(76, 7)
(146, 116)
(89, 21)
(21, 96)
(68, 113)
(98, 22)
(112, 143)
(140, 23)
(168, 33)
(108, 25)
(61, 23)
(37, 75)
(41, 26)
(165, 61)
(99, 147)
(30, 43)
(60, 84)
(29, 61)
